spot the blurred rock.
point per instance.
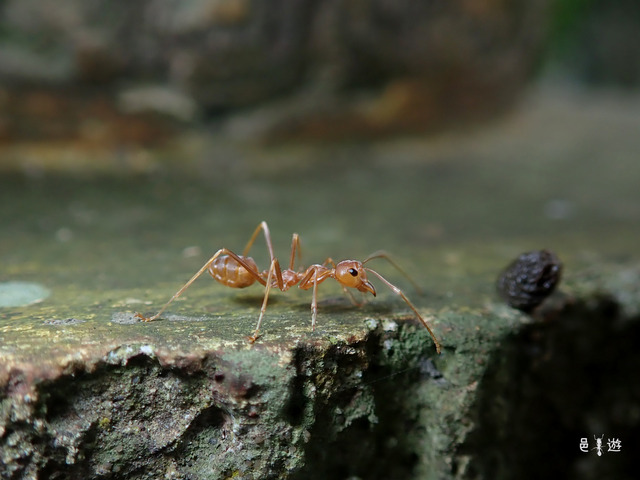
(416, 65)
(79, 118)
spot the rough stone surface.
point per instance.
(378, 403)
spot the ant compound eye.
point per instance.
(353, 272)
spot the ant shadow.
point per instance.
(255, 300)
(329, 304)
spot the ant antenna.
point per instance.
(387, 257)
(397, 291)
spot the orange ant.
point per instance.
(240, 271)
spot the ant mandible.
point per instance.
(240, 271)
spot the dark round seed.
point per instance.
(529, 279)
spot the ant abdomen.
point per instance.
(229, 272)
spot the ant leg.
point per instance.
(185, 286)
(397, 291)
(310, 280)
(353, 299)
(311, 277)
(314, 300)
(222, 251)
(387, 257)
(329, 261)
(274, 267)
(267, 236)
(295, 247)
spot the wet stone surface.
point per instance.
(18, 294)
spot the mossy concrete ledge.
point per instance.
(366, 397)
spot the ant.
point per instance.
(598, 446)
(240, 271)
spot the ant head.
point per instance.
(351, 273)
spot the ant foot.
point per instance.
(252, 339)
(139, 316)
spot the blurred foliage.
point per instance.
(567, 15)
(597, 41)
